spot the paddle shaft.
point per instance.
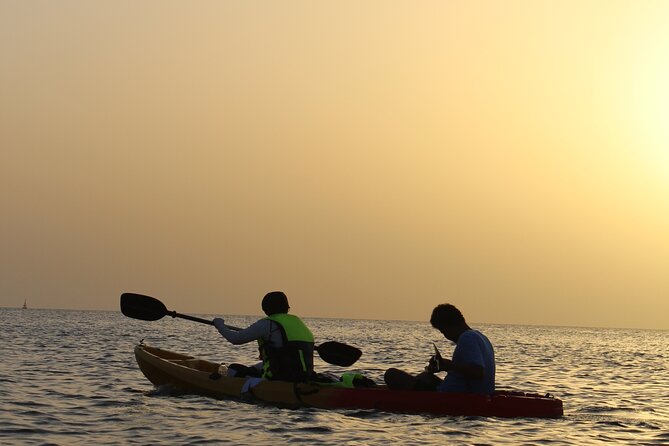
(197, 319)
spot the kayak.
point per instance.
(193, 375)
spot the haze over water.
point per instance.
(70, 378)
(371, 159)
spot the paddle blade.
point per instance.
(336, 353)
(139, 306)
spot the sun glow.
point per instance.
(649, 101)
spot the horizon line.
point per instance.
(371, 319)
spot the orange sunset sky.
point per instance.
(372, 159)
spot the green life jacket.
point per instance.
(346, 381)
(295, 360)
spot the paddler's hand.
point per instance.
(437, 364)
(432, 365)
(219, 323)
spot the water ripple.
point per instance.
(78, 384)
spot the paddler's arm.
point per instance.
(471, 371)
(253, 332)
(469, 356)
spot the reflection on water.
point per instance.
(69, 377)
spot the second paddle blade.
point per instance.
(337, 353)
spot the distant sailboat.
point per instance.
(25, 304)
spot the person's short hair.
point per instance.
(445, 315)
(275, 302)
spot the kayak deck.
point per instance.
(183, 372)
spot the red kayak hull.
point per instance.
(165, 368)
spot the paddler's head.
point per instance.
(275, 302)
(449, 321)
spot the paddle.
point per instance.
(147, 308)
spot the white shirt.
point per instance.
(264, 329)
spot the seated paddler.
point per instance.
(285, 343)
(471, 368)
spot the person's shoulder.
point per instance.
(481, 339)
(261, 322)
(467, 339)
(473, 335)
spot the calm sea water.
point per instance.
(69, 377)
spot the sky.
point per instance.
(371, 159)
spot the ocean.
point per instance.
(70, 378)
